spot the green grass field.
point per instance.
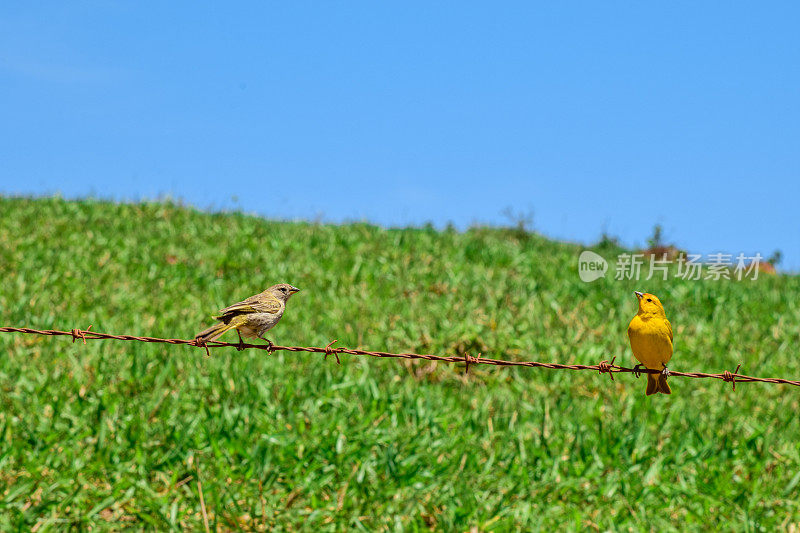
(106, 435)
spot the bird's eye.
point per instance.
(649, 300)
(283, 289)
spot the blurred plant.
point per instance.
(521, 223)
(608, 241)
(657, 239)
(775, 258)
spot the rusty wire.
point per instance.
(603, 367)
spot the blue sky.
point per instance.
(591, 116)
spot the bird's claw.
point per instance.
(637, 370)
(270, 344)
(665, 372)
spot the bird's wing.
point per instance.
(255, 304)
(669, 328)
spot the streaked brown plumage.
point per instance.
(252, 317)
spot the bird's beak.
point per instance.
(638, 294)
(294, 289)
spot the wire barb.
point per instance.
(728, 377)
(332, 351)
(604, 367)
(202, 344)
(79, 334)
(468, 360)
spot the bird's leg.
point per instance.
(637, 370)
(269, 342)
(241, 342)
(665, 372)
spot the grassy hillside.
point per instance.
(108, 433)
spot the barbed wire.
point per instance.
(603, 367)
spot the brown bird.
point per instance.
(252, 317)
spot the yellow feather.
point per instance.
(650, 334)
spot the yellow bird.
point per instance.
(650, 334)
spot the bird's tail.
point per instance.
(657, 383)
(214, 332)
